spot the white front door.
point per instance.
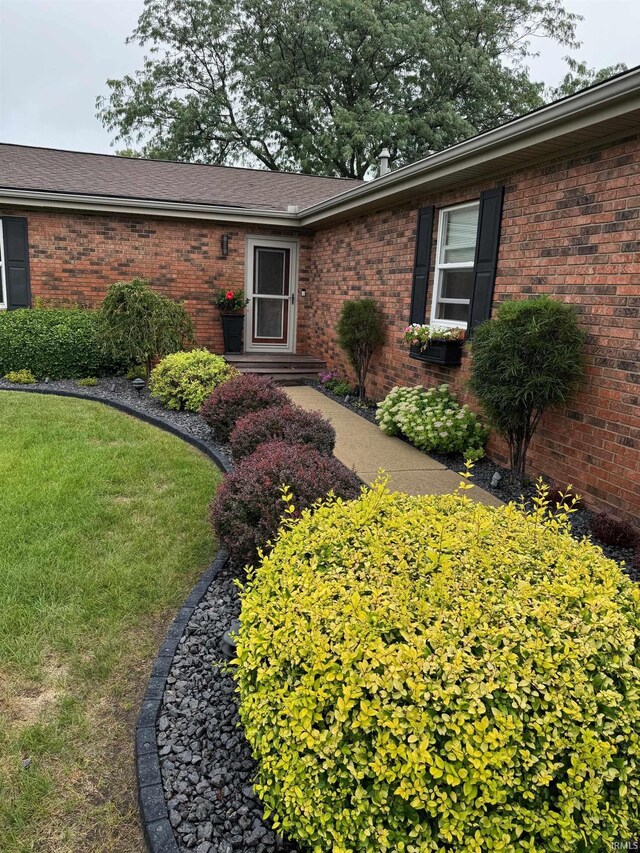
(272, 272)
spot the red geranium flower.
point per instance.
(230, 294)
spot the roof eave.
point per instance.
(145, 207)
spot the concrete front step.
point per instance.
(284, 368)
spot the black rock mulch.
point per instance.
(206, 763)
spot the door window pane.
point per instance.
(269, 318)
(270, 277)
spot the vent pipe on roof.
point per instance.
(383, 160)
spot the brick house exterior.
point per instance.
(569, 227)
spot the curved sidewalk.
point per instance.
(364, 448)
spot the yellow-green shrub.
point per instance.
(184, 380)
(426, 673)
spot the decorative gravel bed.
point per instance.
(205, 760)
(507, 489)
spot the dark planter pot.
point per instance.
(232, 325)
(448, 353)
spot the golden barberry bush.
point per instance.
(426, 673)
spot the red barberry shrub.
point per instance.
(235, 398)
(281, 423)
(613, 531)
(557, 498)
(249, 505)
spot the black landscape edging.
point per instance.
(154, 814)
(153, 805)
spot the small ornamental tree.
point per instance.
(360, 333)
(139, 324)
(525, 360)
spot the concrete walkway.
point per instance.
(364, 448)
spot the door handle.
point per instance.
(293, 298)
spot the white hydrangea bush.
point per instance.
(432, 420)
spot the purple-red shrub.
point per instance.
(281, 423)
(248, 506)
(245, 393)
(556, 498)
(613, 531)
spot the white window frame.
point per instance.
(3, 275)
(441, 267)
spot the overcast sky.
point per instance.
(55, 56)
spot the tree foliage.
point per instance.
(360, 332)
(320, 87)
(525, 360)
(139, 324)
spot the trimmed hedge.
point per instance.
(249, 505)
(245, 393)
(281, 423)
(427, 673)
(184, 380)
(61, 343)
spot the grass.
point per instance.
(103, 530)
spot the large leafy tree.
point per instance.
(321, 86)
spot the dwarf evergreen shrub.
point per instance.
(427, 673)
(360, 332)
(525, 360)
(248, 507)
(184, 380)
(281, 423)
(247, 392)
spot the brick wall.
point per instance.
(571, 230)
(74, 257)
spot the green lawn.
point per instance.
(103, 530)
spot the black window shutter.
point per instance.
(422, 262)
(16, 261)
(486, 259)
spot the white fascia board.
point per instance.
(141, 207)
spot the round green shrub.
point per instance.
(432, 420)
(61, 343)
(184, 380)
(427, 673)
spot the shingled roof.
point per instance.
(50, 170)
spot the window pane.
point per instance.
(453, 311)
(270, 271)
(460, 235)
(456, 284)
(269, 315)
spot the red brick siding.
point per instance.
(569, 229)
(74, 257)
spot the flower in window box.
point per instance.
(421, 335)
